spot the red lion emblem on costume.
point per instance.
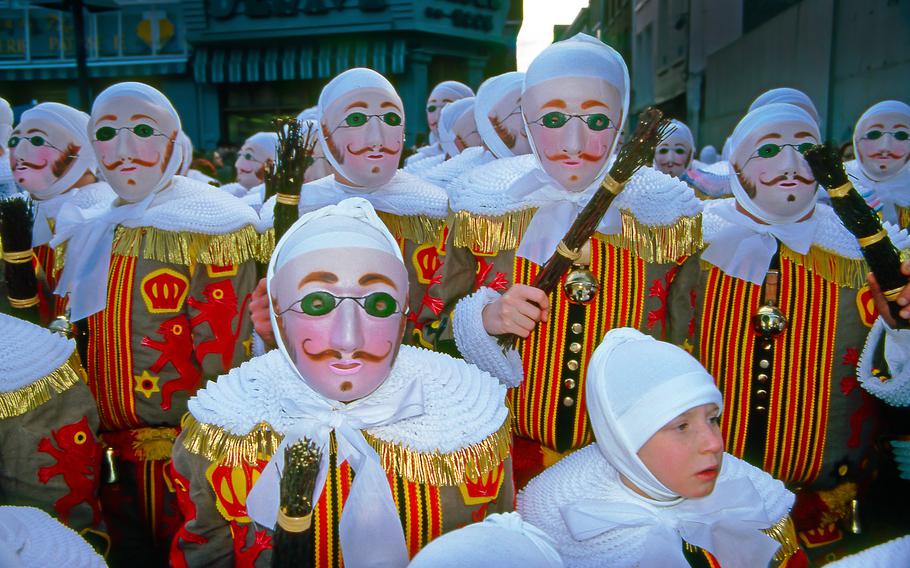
(78, 458)
(176, 349)
(219, 311)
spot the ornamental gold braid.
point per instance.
(660, 244)
(419, 229)
(30, 397)
(185, 248)
(490, 234)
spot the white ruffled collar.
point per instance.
(193, 206)
(445, 173)
(586, 475)
(462, 405)
(29, 352)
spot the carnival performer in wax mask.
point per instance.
(7, 184)
(656, 488)
(362, 134)
(256, 156)
(881, 142)
(419, 438)
(186, 168)
(712, 181)
(673, 155)
(161, 280)
(54, 162)
(442, 94)
(471, 262)
(574, 103)
(779, 312)
(50, 455)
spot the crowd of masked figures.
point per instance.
(549, 337)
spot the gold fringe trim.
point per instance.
(188, 248)
(216, 445)
(267, 245)
(30, 397)
(419, 229)
(784, 532)
(845, 272)
(448, 470)
(490, 234)
(153, 444)
(661, 244)
(59, 256)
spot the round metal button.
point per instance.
(762, 393)
(569, 383)
(576, 328)
(575, 347)
(759, 408)
(762, 378)
(764, 363)
(568, 401)
(572, 365)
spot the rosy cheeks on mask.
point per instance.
(672, 159)
(881, 150)
(343, 349)
(571, 155)
(33, 166)
(248, 169)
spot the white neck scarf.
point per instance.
(370, 529)
(743, 248)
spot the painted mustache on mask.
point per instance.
(583, 156)
(136, 161)
(785, 177)
(330, 354)
(366, 149)
(31, 165)
(886, 154)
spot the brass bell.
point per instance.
(769, 320)
(581, 286)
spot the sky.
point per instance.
(537, 29)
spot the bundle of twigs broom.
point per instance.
(16, 219)
(293, 542)
(295, 155)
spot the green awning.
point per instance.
(289, 62)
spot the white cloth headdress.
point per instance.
(681, 134)
(624, 414)
(708, 154)
(896, 187)
(90, 234)
(788, 96)
(370, 529)
(502, 540)
(6, 121)
(490, 94)
(448, 116)
(352, 79)
(75, 123)
(186, 146)
(578, 56)
(311, 113)
(265, 144)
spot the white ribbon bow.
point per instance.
(727, 524)
(744, 248)
(370, 529)
(44, 211)
(90, 237)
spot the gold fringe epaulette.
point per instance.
(843, 271)
(438, 469)
(267, 245)
(216, 445)
(186, 248)
(490, 234)
(660, 244)
(59, 256)
(784, 532)
(903, 216)
(30, 397)
(419, 229)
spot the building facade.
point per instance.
(231, 65)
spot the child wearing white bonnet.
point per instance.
(657, 475)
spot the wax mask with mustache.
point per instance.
(255, 157)
(505, 118)
(362, 127)
(882, 139)
(674, 154)
(573, 123)
(465, 129)
(45, 147)
(441, 95)
(339, 295)
(772, 179)
(134, 130)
